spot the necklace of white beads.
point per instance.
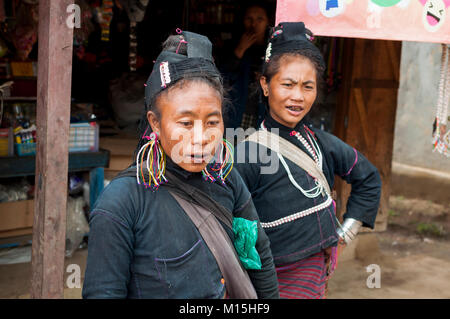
(315, 152)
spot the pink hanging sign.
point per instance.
(405, 20)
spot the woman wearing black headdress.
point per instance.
(291, 179)
(179, 222)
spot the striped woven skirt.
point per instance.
(304, 279)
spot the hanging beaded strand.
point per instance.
(441, 139)
(223, 166)
(155, 163)
(446, 136)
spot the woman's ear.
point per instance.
(153, 121)
(264, 85)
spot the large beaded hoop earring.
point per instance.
(151, 157)
(222, 164)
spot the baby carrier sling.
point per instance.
(206, 213)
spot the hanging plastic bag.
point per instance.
(76, 224)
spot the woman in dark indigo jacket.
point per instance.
(295, 209)
(240, 65)
(142, 244)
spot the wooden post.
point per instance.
(53, 120)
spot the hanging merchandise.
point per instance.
(24, 36)
(134, 8)
(132, 58)
(3, 48)
(441, 135)
(5, 91)
(105, 15)
(2, 11)
(81, 34)
(136, 12)
(332, 49)
(330, 64)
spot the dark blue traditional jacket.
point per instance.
(143, 245)
(279, 203)
(241, 76)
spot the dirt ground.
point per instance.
(413, 256)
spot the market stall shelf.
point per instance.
(25, 165)
(16, 218)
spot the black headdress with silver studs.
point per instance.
(171, 66)
(291, 37)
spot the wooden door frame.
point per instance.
(357, 97)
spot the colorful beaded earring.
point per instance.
(221, 167)
(151, 157)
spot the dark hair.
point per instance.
(174, 43)
(269, 8)
(273, 66)
(253, 4)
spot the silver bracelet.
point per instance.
(349, 229)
